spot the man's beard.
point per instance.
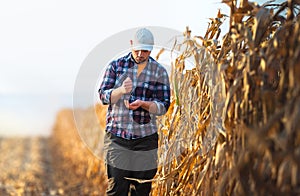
(139, 60)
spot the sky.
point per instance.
(43, 44)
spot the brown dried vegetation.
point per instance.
(233, 126)
(59, 165)
(76, 168)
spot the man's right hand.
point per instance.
(126, 86)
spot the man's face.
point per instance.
(140, 56)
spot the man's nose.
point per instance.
(139, 53)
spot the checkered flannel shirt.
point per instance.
(151, 85)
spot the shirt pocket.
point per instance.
(148, 90)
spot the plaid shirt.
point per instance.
(151, 85)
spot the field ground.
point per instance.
(30, 166)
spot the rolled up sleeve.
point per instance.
(105, 96)
(163, 94)
(107, 85)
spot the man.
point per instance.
(137, 89)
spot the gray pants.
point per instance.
(135, 158)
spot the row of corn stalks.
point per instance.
(76, 167)
(233, 127)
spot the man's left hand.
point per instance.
(134, 105)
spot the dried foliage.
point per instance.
(60, 165)
(76, 168)
(233, 125)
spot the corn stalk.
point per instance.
(233, 126)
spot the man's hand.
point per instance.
(134, 105)
(127, 86)
(147, 105)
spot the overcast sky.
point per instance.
(44, 42)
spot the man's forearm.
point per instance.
(154, 107)
(116, 94)
(149, 106)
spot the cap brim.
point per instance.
(143, 47)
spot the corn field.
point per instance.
(233, 125)
(58, 165)
(77, 170)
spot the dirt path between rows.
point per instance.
(29, 166)
(26, 167)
